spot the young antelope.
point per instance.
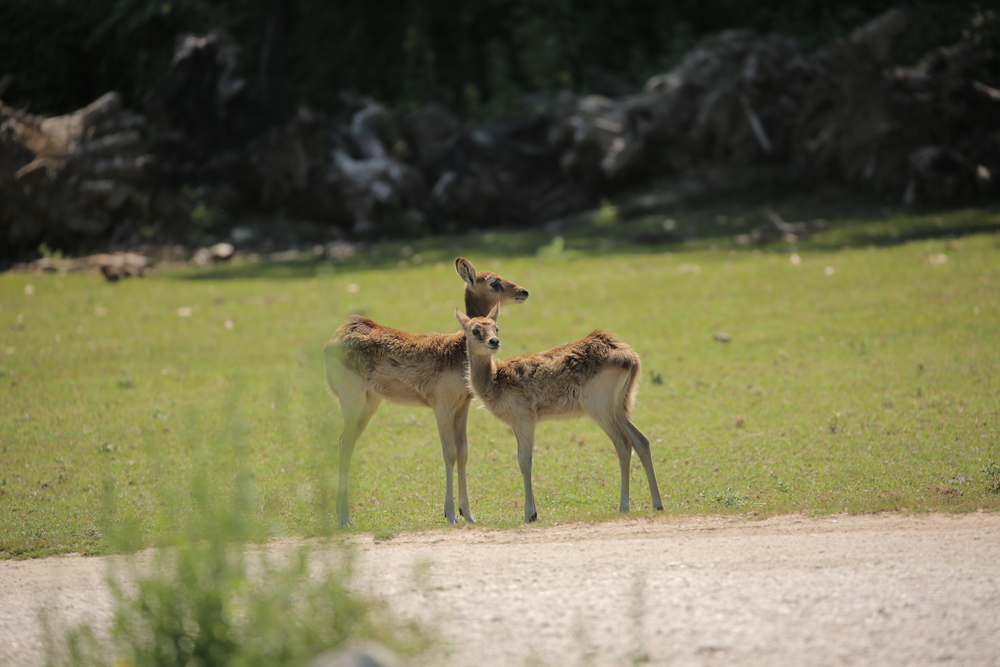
(596, 376)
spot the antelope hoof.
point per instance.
(534, 517)
(468, 519)
(345, 523)
(659, 508)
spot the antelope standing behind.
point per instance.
(367, 362)
(596, 376)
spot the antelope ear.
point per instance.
(495, 313)
(466, 270)
(462, 318)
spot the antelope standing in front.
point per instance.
(596, 376)
(367, 362)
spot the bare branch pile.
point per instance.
(212, 154)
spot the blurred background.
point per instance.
(475, 58)
(358, 120)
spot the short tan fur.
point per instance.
(367, 362)
(595, 377)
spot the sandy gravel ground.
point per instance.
(887, 589)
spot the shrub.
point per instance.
(213, 598)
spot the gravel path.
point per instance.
(886, 589)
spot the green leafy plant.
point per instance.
(554, 251)
(730, 499)
(205, 217)
(125, 379)
(48, 253)
(992, 471)
(607, 215)
(211, 598)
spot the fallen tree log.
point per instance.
(213, 153)
(69, 180)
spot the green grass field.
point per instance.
(864, 377)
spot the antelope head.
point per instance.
(482, 333)
(485, 289)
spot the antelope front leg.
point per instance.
(449, 451)
(347, 441)
(462, 451)
(343, 511)
(525, 448)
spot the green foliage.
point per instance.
(992, 472)
(554, 251)
(204, 217)
(607, 215)
(64, 55)
(475, 57)
(732, 500)
(208, 597)
(47, 253)
(209, 603)
(984, 32)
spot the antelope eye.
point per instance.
(496, 285)
(477, 332)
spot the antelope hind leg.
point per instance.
(641, 445)
(357, 411)
(623, 448)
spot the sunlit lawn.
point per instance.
(857, 379)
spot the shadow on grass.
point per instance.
(912, 226)
(615, 229)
